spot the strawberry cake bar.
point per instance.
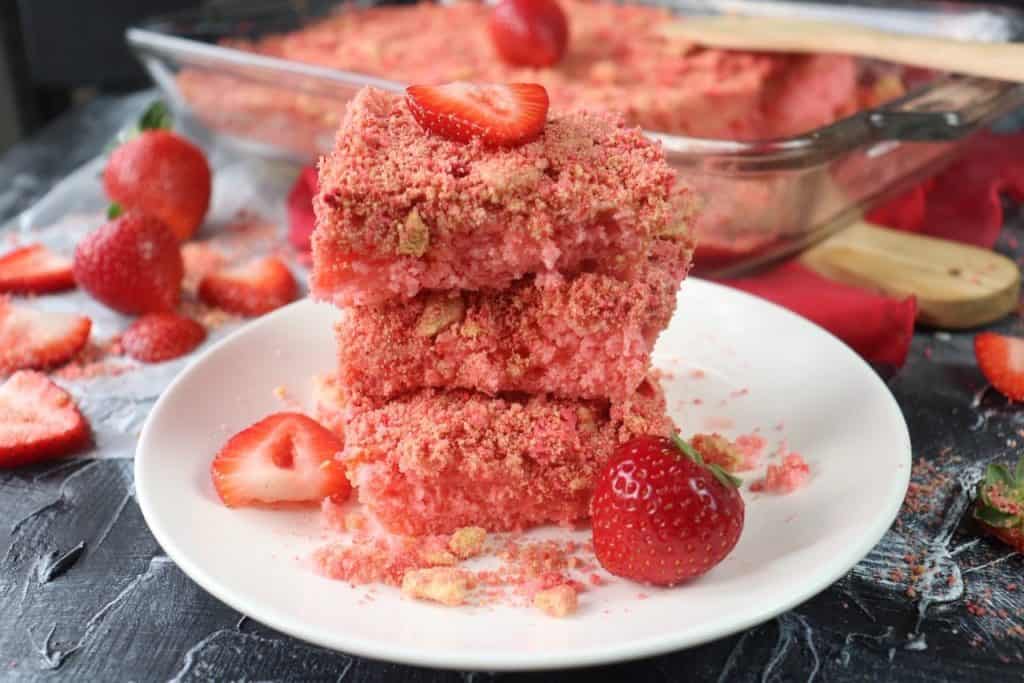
(433, 461)
(589, 336)
(502, 296)
(398, 211)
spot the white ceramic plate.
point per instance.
(763, 368)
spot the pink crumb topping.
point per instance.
(399, 210)
(751, 447)
(558, 601)
(786, 477)
(445, 585)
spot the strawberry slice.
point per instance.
(502, 115)
(38, 339)
(254, 288)
(38, 420)
(157, 337)
(34, 269)
(1001, 360)
(283, 458)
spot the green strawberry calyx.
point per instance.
(723, 477)
(1001, 496)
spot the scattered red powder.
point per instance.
(751, 447)
(718, 423)
(526, 568)
(786, 477)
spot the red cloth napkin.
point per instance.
(877, 327)
(961, 203)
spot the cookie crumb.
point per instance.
(468, 541)
(445, 585)
(558, 602)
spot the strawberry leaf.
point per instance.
(688, 450)
(114, 210)
(999, 474)
(724, 478)
(720, 474)
(1019, 473)
(156, 117)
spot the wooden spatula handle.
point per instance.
(1002, 61)
(957, 286)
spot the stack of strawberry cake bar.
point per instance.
(501, 297)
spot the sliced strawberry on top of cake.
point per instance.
(403, 208)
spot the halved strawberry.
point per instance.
(34, 269)
(254, 288)
(39, 339)
(1001, 360)
(38, 420)
(502, 115)
(283, 458)
(157, 337)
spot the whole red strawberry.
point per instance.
(164, 175)
(132, 264)
(529, 32)
(662, 516)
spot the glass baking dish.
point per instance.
(762, 200)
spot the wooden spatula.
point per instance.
(1002, 61)
(957, 286)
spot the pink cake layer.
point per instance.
(434, 461)
(400, 210)
(619, 59)
(590, 336)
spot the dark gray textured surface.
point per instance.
(86, 594)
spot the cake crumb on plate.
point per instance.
(468, 541)
(560, 601)
(445, 585)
